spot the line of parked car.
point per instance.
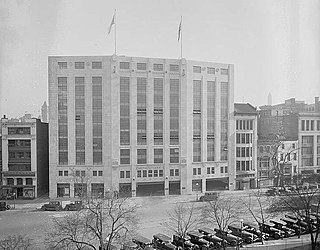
(206, 238)
(56, 206)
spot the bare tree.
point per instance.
(16, 242)
(183, 217)
(303, 204)
(257, 205)
(104, 221)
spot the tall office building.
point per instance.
(143, 126)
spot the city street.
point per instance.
(28, 219)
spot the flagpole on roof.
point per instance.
(181, 36)
(115, 33)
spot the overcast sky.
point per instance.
(274, 44)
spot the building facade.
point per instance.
(309, 139)
(246, 146)
(25, 159)
(143, 126)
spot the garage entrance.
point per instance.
(125, 190)
(174, 188)
(217, 184)
(150, 189)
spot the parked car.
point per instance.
(244, 235)
(198, 238)
(272, 231)
(74, 206)
(209, 235)
(52, 206)
(4, 206)
(209, 196)
(9, 196)
(231, 239)
(184, 242)
(288, 232)
(248, 227)
(142, 242)
(162, 241)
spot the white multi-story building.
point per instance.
(143, 125)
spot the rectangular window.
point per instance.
(160, 173)
(158, 111)
(176, 172)
(174, 111)
(141, 110)
(221, 170)
(97, 65)
(77, 173)
(66, 173)
(144, 173)
(139, 174)
(158, 155)
(210, 70)
(312, 125)
(194, 171)
(124, 111)
(83, 173)
(94, 173)
(155, 173)
(224, 71)
(318, 125)
(295, 156)
(226, 169)
(60, 173)
(124, 65)
(100, 172)
(62, 65)
(141, 66)
(150, 173)
(121, 174)
(199, 171)
(124, 156)
(174, 68)
(303, 125)
(141, 156)
(79, 65)
(174, 155)
(307, 125)
(196, 69)
(171, 172)
(158, 67)
(127, 174)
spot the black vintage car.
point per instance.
(184, 242)
(248, 227)
(209, 235)
(162, 241)
(74, 206)
(231, 239)
(4, 206)
(244, 235)
(209, 196)
(272, 231)
(52, 206)
(288, 232)
(142, 242)
(198, 238)
(293, 224)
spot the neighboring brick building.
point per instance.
(24, 157)
(246, 145)
(144, 125)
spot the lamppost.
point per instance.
(241, 226)
(197, 189)
(14, 200)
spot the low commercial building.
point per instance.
(25, 159)
(246, 145)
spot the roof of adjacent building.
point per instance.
(245, 108)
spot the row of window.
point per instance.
(210, 70)
(288, 156)
(20, 155)
(81, 173)
(19, 143)
(29, 181)
(244, 165)
(210, 170)
(244, 138)
(244, 152)
(309, 125)
(80, 65)
(18, 131)
(142, 156)
(156, 66)
(150, 173)
(244, 124)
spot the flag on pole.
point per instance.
(179, 31)
(112, 23)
